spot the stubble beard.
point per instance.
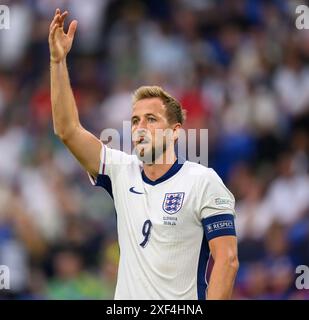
(151, 156)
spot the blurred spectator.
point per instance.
(70, 280)
(14, 43)
(287, 184)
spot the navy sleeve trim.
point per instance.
(219, 225)
(105, 182)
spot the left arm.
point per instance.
(224, 252)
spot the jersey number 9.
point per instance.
(146, 233)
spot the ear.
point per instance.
(176, 128)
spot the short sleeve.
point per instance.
(111, 163)
(215, 198)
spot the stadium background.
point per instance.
(238, 67)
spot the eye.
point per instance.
(151, 119)
(134, 121)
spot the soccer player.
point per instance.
(171, 216)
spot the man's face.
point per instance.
(148, 122)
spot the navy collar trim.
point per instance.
(171, 172)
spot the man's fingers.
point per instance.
(72, 28)
(62, 18)
(55, 20)
(58, 22)
(58, 18)
(53, 31)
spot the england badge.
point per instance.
(172, 202)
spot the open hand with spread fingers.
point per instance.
(60, 43)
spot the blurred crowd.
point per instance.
(238, 67)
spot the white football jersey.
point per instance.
(164, 226)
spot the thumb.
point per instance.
(72, 28)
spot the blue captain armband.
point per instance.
(218, 226)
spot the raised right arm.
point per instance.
(83, 145)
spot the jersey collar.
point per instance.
(171, 172)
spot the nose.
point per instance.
(138, 134)
(141, 132)
(142, 125)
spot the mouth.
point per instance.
(141, 141)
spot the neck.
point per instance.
(158, 169)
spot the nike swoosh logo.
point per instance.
(133, 191)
